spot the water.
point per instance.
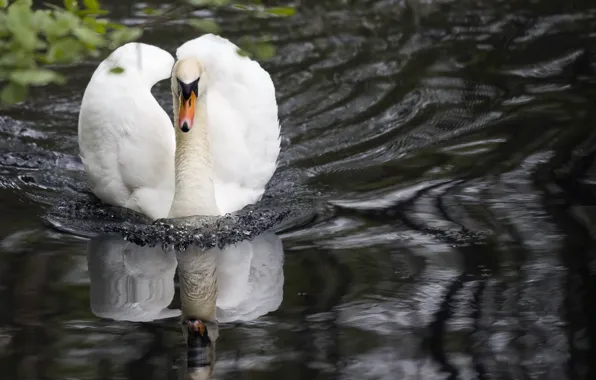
(453, 144)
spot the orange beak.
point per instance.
(186, 114)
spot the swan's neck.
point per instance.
(198, 284)
(194, 194)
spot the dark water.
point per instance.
(456, 143)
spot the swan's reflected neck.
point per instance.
(240, 282)
(198, 297)
(198, 284)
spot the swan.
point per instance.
(217, 156)
(240, 282)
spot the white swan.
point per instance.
(226, 122)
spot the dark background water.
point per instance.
(455, 140)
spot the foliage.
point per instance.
(32, 41)
(35, 41)
(259, 48)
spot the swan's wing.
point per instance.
(126, 139)
(243, 121)
(250, 288)
(146, 160)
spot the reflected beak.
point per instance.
(197, 326)
(186, 113)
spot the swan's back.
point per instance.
(242, 118)
(126, 139)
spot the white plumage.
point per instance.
(126, 140)
(242, 120)
(128, 143)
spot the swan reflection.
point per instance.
(129, 282)
(237, 283)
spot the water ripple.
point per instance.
(431, 132)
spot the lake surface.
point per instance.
(454, 142)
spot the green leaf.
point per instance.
(3, 3)
(35, 77)
(260, 49)
(10, 59)
(98, 26)
(281, 11)
(122, 36)
(71, 5)
(13, 93)
(62, 24)
(88, 36)
(41, 18)
(19, 23)
(264, 51)
(91, 5)
(66, 49)
(206, 25)
(116, 70)
(114, 26)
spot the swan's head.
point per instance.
(200, 348)
(186, 77)
(197, 331)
